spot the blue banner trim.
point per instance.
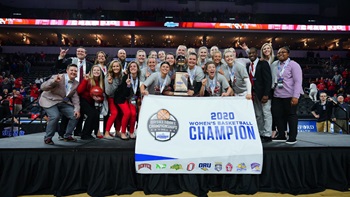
(143, 157)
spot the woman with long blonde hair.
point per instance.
(92, 80)
(112, 81)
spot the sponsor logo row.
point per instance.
(217, 166)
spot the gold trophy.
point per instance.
(181, 77)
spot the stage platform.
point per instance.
(103, 167)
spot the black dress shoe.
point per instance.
(265, 139)
(87, 137)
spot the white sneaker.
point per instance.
(291, 141)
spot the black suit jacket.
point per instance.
(124, 92)
(263, 80)
(63, 63)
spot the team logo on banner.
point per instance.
(218, 166)
(255, 167)
(163, 125)
(176, 167)
(204, 166)
(191, 166)
(229, 167)
(145, 165)
(160, 166)
(241, 167)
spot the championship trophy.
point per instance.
(181, 77)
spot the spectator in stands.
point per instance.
(313, 91)
(322, 111)
(4, 93)
(59, 97)
(43, 56)
(347, 98)
(340, 115)
(149, 69)
(321, 87)
(345, 73)
(38, 82)
(17, 102)
(214, 84)
(141, 58)
(331, 87)
(27, 66)
(6, 84)
(18, 83)
(34, 92)
(88, 102)
(286, 95)
(128, 98)
(261, 80)
(336, 78)
(12, 79)
(112, 81)
(1, 80)
(158, 83)
(5, 111)
(23, 91)
(202, 56)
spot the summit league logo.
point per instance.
(163, 125)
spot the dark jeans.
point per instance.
(283, 112)
(93, 117)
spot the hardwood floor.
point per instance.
(330, 193)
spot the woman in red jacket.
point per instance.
(87, 102)
(128, 98)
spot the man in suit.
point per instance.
(84, 67)
(60, 97)
(261, 79)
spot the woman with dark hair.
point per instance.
(128, 98)
(170, 58)
(214, 84)
(90, 103)
(158, 83)
(112, 81)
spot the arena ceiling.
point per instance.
(160, 37)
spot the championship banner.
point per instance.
(197, 135)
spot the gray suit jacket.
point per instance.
(55, 92)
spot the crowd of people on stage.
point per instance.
(273, 87)
(115, 89)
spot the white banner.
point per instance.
(198, 135)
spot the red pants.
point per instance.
(115, 116)
(129, 116)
